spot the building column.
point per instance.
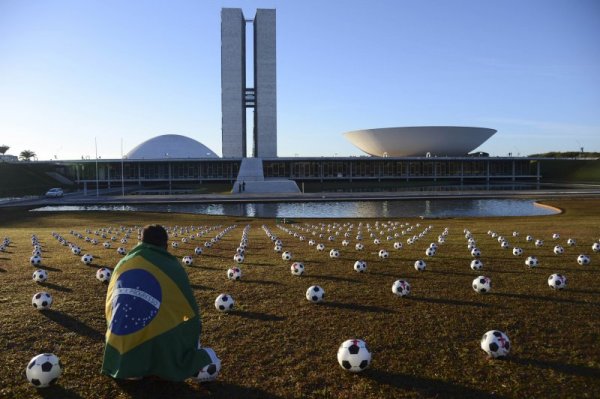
(513, 170)
(537, 173)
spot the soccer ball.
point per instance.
(515, 233)
(383, 254)
(360, 266)
(103, 275)
(529, 238)
(198, 250)
(238, 258)
(224, 303)
(235, 273)
(175, 244)
(287, 255)
(558, 250)
(41, 300)
(359, 246)
(345, 243)
(475, 252)
(40, 275)
(430, 251)
(106, 245)
(482, 284)
(583, 260)
(596, 247)
(187, 260)
(397, 245)
(297, 268)
(121, 251)
(320, 247)
(210, 372)
(504, 245)
(539, 243)
(420, 265)
(315, 294)
(278, 248)
(495, 343)
(377, 241)
(43, 370)
(35, 260)
(555, 236)
(531, 261)
(311, 242)
(517, 251)
(334, 253)
(353, 355)
(571, 242)
(208, 244)
(557, 281)
(476, 264)
(401, 288)
(87, 259)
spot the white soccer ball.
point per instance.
(40, 275)
(121, 251)
(234, 273)
(517, 251)
(35, 260)
(187, 260)
(353, 355)
(297, 268)
(43, 370)
(596, 247)
(175, 244)
(224, 303)
(238, 258)
(539, 243)
(103, 275)
(41, 300)
(529, 238)
(420, 265)
(475, 252)
(211, 371)
(583, 260)
(571, 242)
(555, 236)
(401, 288)
(504, 245)
(345, 243)
(360, 266)
(558, 250)
(482, 284)
(377, 241)
(359, 246)
(531, 261)
(198, 250)
(397, 245)
(383, 254)
(476, 264)
(320, 247)
(515, 233)
(287, 255)
(334, 254)
(87, 259)
(430, 251)
(315, 294)
(557, 281)
(106, 245)
(278, 248)
(495, 343)
(311, 242)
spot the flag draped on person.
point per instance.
(153, 322)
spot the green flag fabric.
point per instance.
(153, 323)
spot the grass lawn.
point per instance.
(277, 344)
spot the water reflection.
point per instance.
(338, 209)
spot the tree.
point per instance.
(3, 149)
(26, 155)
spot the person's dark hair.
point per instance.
(155, 234)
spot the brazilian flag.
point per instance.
(153, 323)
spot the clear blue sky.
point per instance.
(74, 70)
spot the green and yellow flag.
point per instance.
(153, 323)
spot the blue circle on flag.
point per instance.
(136, 300)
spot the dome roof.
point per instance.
(419, 140)
(173, 146)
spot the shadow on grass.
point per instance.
(426, 386)
(545, 298)
(50, 269)
(200, 287)
(73, 324)
(2, 270)
(447, 301)
(581, 371)
(580, 291)
(354, 306)
(57, 391)
(262, 282)
(55, 287)
(334, 278)
(256, 315)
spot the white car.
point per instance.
(55, 192)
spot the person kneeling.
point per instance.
(153, 321)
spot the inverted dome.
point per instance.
(170, 146)
(419, 140)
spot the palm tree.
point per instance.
(26, 155)
(3, 149)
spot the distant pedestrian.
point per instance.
(239, 187)
(243, 185)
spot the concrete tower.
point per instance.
(236, 97)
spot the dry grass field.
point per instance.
(277, 344)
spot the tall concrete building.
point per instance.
(236, 96)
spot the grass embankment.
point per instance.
(25, 178)
(276, 344)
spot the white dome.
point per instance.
(174, 146)
(419, 140)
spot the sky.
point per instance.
(116, 73)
